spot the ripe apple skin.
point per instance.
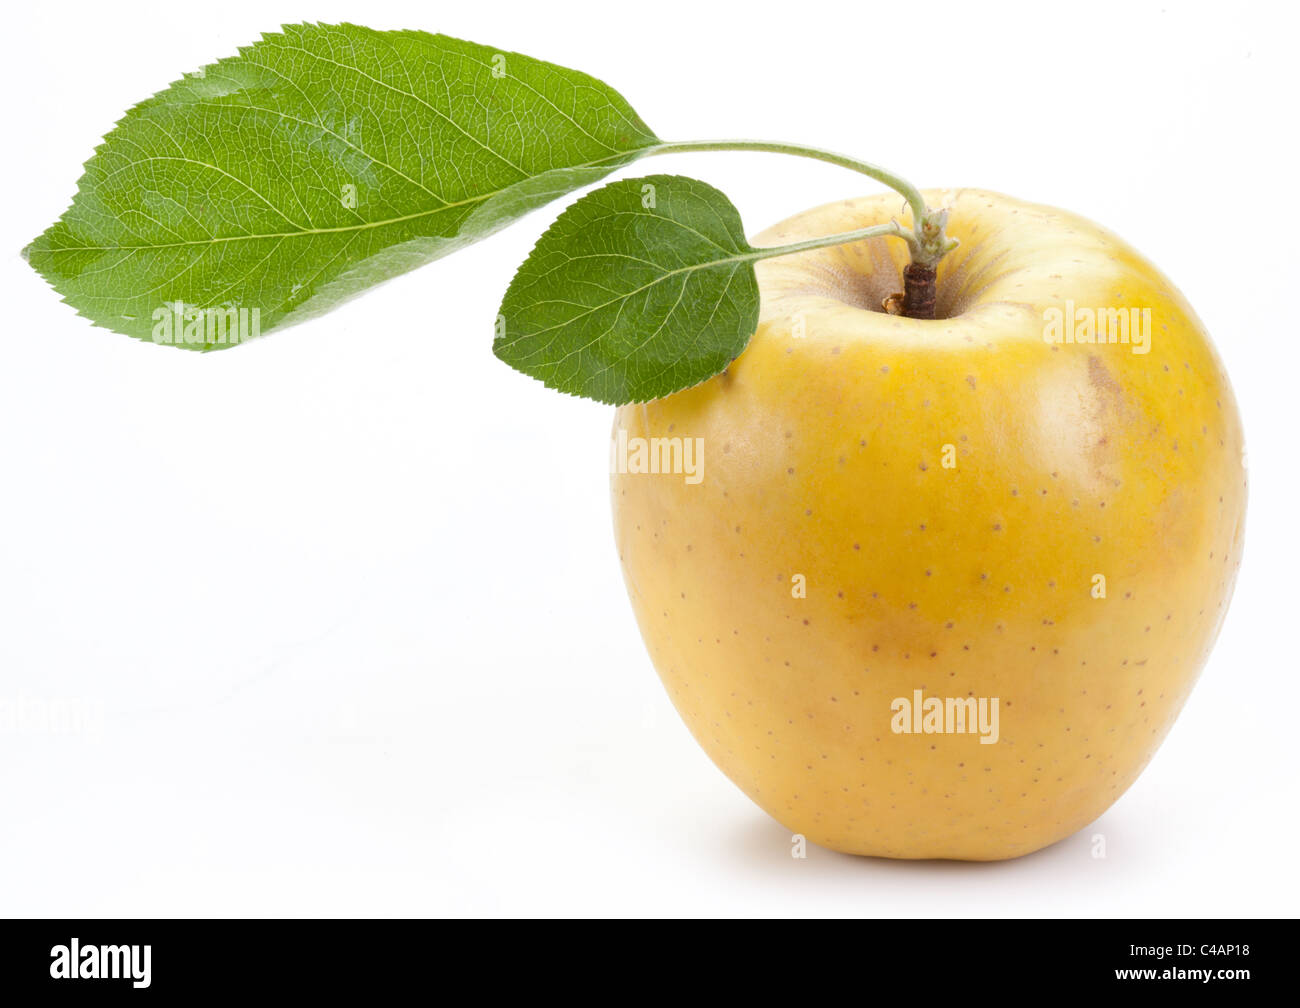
(823, 448)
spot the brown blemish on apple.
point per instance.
(1102, 380)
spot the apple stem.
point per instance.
(918, 291)
(927, 244)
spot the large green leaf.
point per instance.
(318, 162)
(640, 289)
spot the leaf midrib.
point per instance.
(752, 256)
(343, 229)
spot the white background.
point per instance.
(339, 612)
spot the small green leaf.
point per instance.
(318, 162)
(640, 289)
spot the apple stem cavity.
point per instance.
(927, 244)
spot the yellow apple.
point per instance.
(1002, 505)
